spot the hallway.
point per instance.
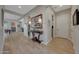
(39, 29)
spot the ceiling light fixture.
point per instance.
(60, 5)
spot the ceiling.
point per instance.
(58, 8)
(13, 10)
(23, 9)
(10, 17)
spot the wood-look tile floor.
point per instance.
(18, 43)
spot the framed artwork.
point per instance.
(36, 22)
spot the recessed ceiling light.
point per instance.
(60, 5)
(19, 6)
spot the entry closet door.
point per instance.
(62, 25)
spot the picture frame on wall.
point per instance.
(35, 21)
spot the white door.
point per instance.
(62, 25)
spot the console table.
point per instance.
(38, 37)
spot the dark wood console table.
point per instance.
(38, 37)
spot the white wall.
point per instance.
(75, 31)
(25, 26)
(47, 14)
(17, 28)
(1, 31)
(49, 23)
(63, 24)
(36, 11)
